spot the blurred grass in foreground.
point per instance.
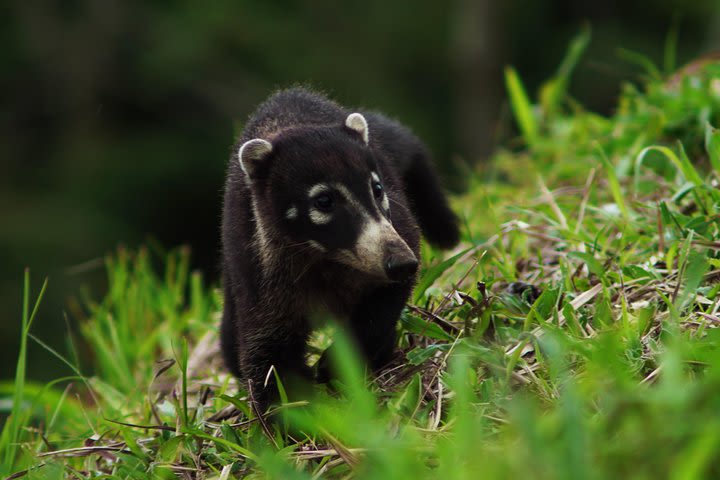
(572, 335)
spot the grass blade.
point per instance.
(681, 162)
(433, 273)
(11, 430)
(712, 146)
(615, 189)
(642, 61)
(553, 91)
(671, 41)
(521, 106)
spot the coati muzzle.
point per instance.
(381, 252)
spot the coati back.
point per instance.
(321, 212)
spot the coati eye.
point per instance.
(324, 203)
(377, 189)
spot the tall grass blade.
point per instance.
(697, 265)
(433, 273)
(348, 367)
(553, 92)
(18, 417)
(712, 146)
(684, 166)
(615, 188)
(671, 41)
(642, 61)
(681, 162)
(521, 106)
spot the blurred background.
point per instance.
(116, 116)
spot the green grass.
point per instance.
(609, 369)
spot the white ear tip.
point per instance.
(251, 151)
(358, 123)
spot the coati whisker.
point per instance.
(304, 247)
(303, 272)
(394, 201)
(292, 245)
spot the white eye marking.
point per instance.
(319, 218)
(317, 189)
(385, 202)
(316, 216)
(291, 213)
(349, 197)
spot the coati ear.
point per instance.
(358, 123)
(252, 154)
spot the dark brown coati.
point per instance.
(321, 213)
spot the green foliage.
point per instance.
(574, 334)
(19, 416)
(521, 106)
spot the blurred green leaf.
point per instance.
(554, 90)
(415, 324)
(433, 273)
(712, 146)
(521, 106)
(418, 355)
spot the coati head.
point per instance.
(320, 188)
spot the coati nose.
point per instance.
(400, 267)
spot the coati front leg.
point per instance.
(374, 322)
(278, 344)
(228, 334)
(373, 325)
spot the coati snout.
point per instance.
(323, 210)
(380, 251)
(400, 265)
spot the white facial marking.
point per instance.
(385, 202)
(291, 213)
(368, 254)
(262, 238)
(348, 257)
(318, 217)
(316, 246)
(350, 198)
(374, 235)
(317, 189)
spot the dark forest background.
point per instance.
(116, 116)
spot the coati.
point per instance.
(321, 213)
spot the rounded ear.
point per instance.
(252, 154)
(357, 122)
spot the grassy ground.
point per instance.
(572, 335)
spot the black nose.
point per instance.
(400, 267)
